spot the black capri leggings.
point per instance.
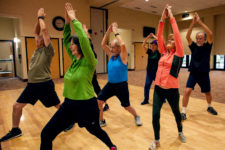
(84, 112)
(172, 96)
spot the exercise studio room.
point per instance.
(112, 75)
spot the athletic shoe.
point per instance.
(183, 116)
(154, 145)
(138, 120)
(102, 123)
(106, 107)
(15, 132)
(69, 127)
(144, 102)
(182, 138)
(113, 148)
(212, 111)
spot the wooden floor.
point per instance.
(203, 131)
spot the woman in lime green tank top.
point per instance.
(80, 105)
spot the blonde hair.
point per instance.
(170, 35)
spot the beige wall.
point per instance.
(26, 12)
(6, 29)
(219, 39)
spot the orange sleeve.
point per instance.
(178, 42)
(161, 43)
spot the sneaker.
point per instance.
(138, 121)
(106, 107)
(113, 148)
(102, 123)
(212, 111)
(183, 116)
(182, 138)
(154, 145)
(15, 132)
(69, 127)
(144, 102)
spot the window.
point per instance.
(219, 62)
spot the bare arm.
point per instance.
(36, 30)
(146, 39)
(207, 30)
(161, 43)
(188, 36)
(123, 53)
(177, 38)
(43, 27)
(104, 42)
(86, 30)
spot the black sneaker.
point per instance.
(183, 116)
(144, 102)
(212, 111)
(69, 127)
(106, 107)
(15, 132)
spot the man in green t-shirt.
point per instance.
(40, 85)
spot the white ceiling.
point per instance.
(156, 6)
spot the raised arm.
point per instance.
(83, 39)
(161, 43)
(36, 30)
(43, 28)
(106, 47)
(146, 39)
(207, 30)
(67, 35)
(86, 30)
(188, 36)
(177, 38)
(123, 53)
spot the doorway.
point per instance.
(7, 59)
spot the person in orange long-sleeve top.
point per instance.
(166, 82)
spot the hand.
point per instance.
(67, 19)
(194, 21)
(41, 12)
(114, 27)
(151, 35)
(164, 14)
(170, 14)
(70, 11)
(197, 17)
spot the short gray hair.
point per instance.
(205, 35)
(116, 42)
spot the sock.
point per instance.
(184, 110)
(209, 105)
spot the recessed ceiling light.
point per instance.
(152, 6)
(146, 0)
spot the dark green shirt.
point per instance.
(153, 59)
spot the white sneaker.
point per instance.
(138, 121)
(154, 145)
(102, 123)
(182, 138)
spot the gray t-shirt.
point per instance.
(39, 67)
